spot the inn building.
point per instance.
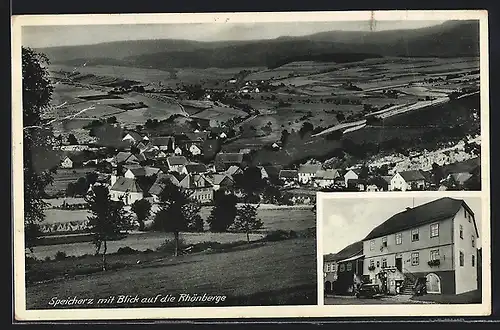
(436, 241)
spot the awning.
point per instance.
(352, 258)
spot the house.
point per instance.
(178, 151)
(132, 138)
(127, 190)
(176, 163)
(194, 168)
(435, 242)
(289, 176)
(67, 163)
(124, 157)
(331, 268)
(194, 149)
(134, 172)
(352, 174)
(233, 170)
(221, 181)
(272, 171)
(164, 143)
(377, 183)
(307, 172)
(197, 186)
(326, 178)
(409, 180)
(356, 184)
(223, 135)
(224, 160)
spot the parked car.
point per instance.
(368, 291)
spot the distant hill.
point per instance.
(450, 39)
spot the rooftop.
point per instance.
(126, 185)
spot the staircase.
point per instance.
(408, 284)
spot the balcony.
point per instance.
(434, 263)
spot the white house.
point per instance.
(194, 150)
(352, 174)
(176, 163)
(178, 151)
(126, 189)
(223, 135)
(326, 178)
(409, 180)
(132, 137)
(67, 163)
(307, 172)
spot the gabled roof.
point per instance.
(309, 168)
(136, 136)
(177, 160)
(233, 169)
(291, 174)
(229, 158)
(413, 175)
(162, 140)
(124, 156)
(329, 174)
(272, 170)
(461, 177)
(436, 210)
(144, 171)
(217, 178)
(357, 171)
(196, 168)
(126, 185)
(352, 250)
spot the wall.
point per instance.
(466, 275)
(350, 175)
(447, 280)
(202, 195)
(130, 199)
(398, 183)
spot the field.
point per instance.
(65, 176)
(280, 273)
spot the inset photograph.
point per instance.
(404, 250)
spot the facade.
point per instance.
(341, 279)
(350, 175)
(176, 163)
(289, 176)
(308, 172)
(194, 150)
(126, 189)
(409, 180)
(326, 178)
(67, 163)
(435, 241)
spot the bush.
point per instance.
(126, 250)
(60, 255)
(279, 235)
(169, 246)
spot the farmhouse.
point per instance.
(341, 280)
(409, 180)
(307, 172)
(164, 143)
(289, 176)
(352, 174)
(224, 160)
(435, 243)
(67, 163)
(176, 163)
(326, 178)
(127, 190)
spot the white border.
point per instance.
(245, 312)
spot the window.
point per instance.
(327, 268)
(414, 235)
(469, 217)
(342, 267)
(384, 262)
(415, 259)
(473, 261)
(384, 241)
(461, 259)
(461, 232)
(435, 230)
(372, 263)
(349, 267)
(465, 213)
(399, 238)
(434, 255)
(473, 241)
(378, 263)
(372, 245)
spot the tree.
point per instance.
(38, 154)
(91, 178)
(108, 219)
(284, 137)
(437, 173)
(340, 117)
(191, 213)
(72, 139)
(223, 213)
(246, 220)
(171, 218)
(142, 208)
(250, 181)
(272, 194)
(306, 128)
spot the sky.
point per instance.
(349, 220)
(66, 35)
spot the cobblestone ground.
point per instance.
(348, 300)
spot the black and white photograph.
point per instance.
(174, 160)
(404, 250)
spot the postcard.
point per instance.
(237, 165)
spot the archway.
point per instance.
(328, 286)
(433, 283)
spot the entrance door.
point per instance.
(433, 283)
(399, 264)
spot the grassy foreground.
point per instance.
(263, 273)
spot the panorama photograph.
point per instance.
(178, 164)
(404, 250)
